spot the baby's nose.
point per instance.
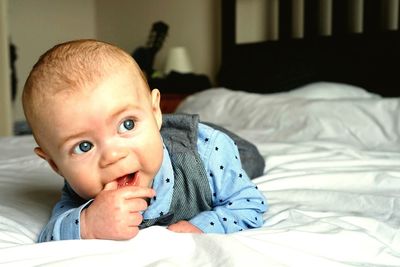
(113, 154)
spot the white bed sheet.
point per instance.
(332, 181)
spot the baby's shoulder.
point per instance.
(211, 141)
(208, 134)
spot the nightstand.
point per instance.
(175, 87)
(170, 101)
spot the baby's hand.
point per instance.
(115, 214)
(184, 227)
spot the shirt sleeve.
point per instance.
(64, 223)
(237, 203)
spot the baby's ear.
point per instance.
(155, 105)
(39, 151)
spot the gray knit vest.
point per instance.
(192, 193)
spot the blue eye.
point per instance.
(126, 125)
(83, 147)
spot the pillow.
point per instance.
(348, 116)
(331, 90)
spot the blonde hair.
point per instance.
(70, 66)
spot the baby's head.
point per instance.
(93, 116)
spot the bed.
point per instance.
(331, 145)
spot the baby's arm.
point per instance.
(65, 220)
(237, 203)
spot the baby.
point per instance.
(100, 127)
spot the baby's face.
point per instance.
(108, 135)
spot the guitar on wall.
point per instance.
(145, 55)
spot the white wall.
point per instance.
(37, 25)
(192, 23)
(251, 21)
(5, 95)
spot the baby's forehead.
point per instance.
(122, 76)
(87, 78)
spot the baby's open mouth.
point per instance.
(127, 180)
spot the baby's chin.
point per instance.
(87, 195)
(94, 191)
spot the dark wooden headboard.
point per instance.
(368, 59)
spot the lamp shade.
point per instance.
(178, 60)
